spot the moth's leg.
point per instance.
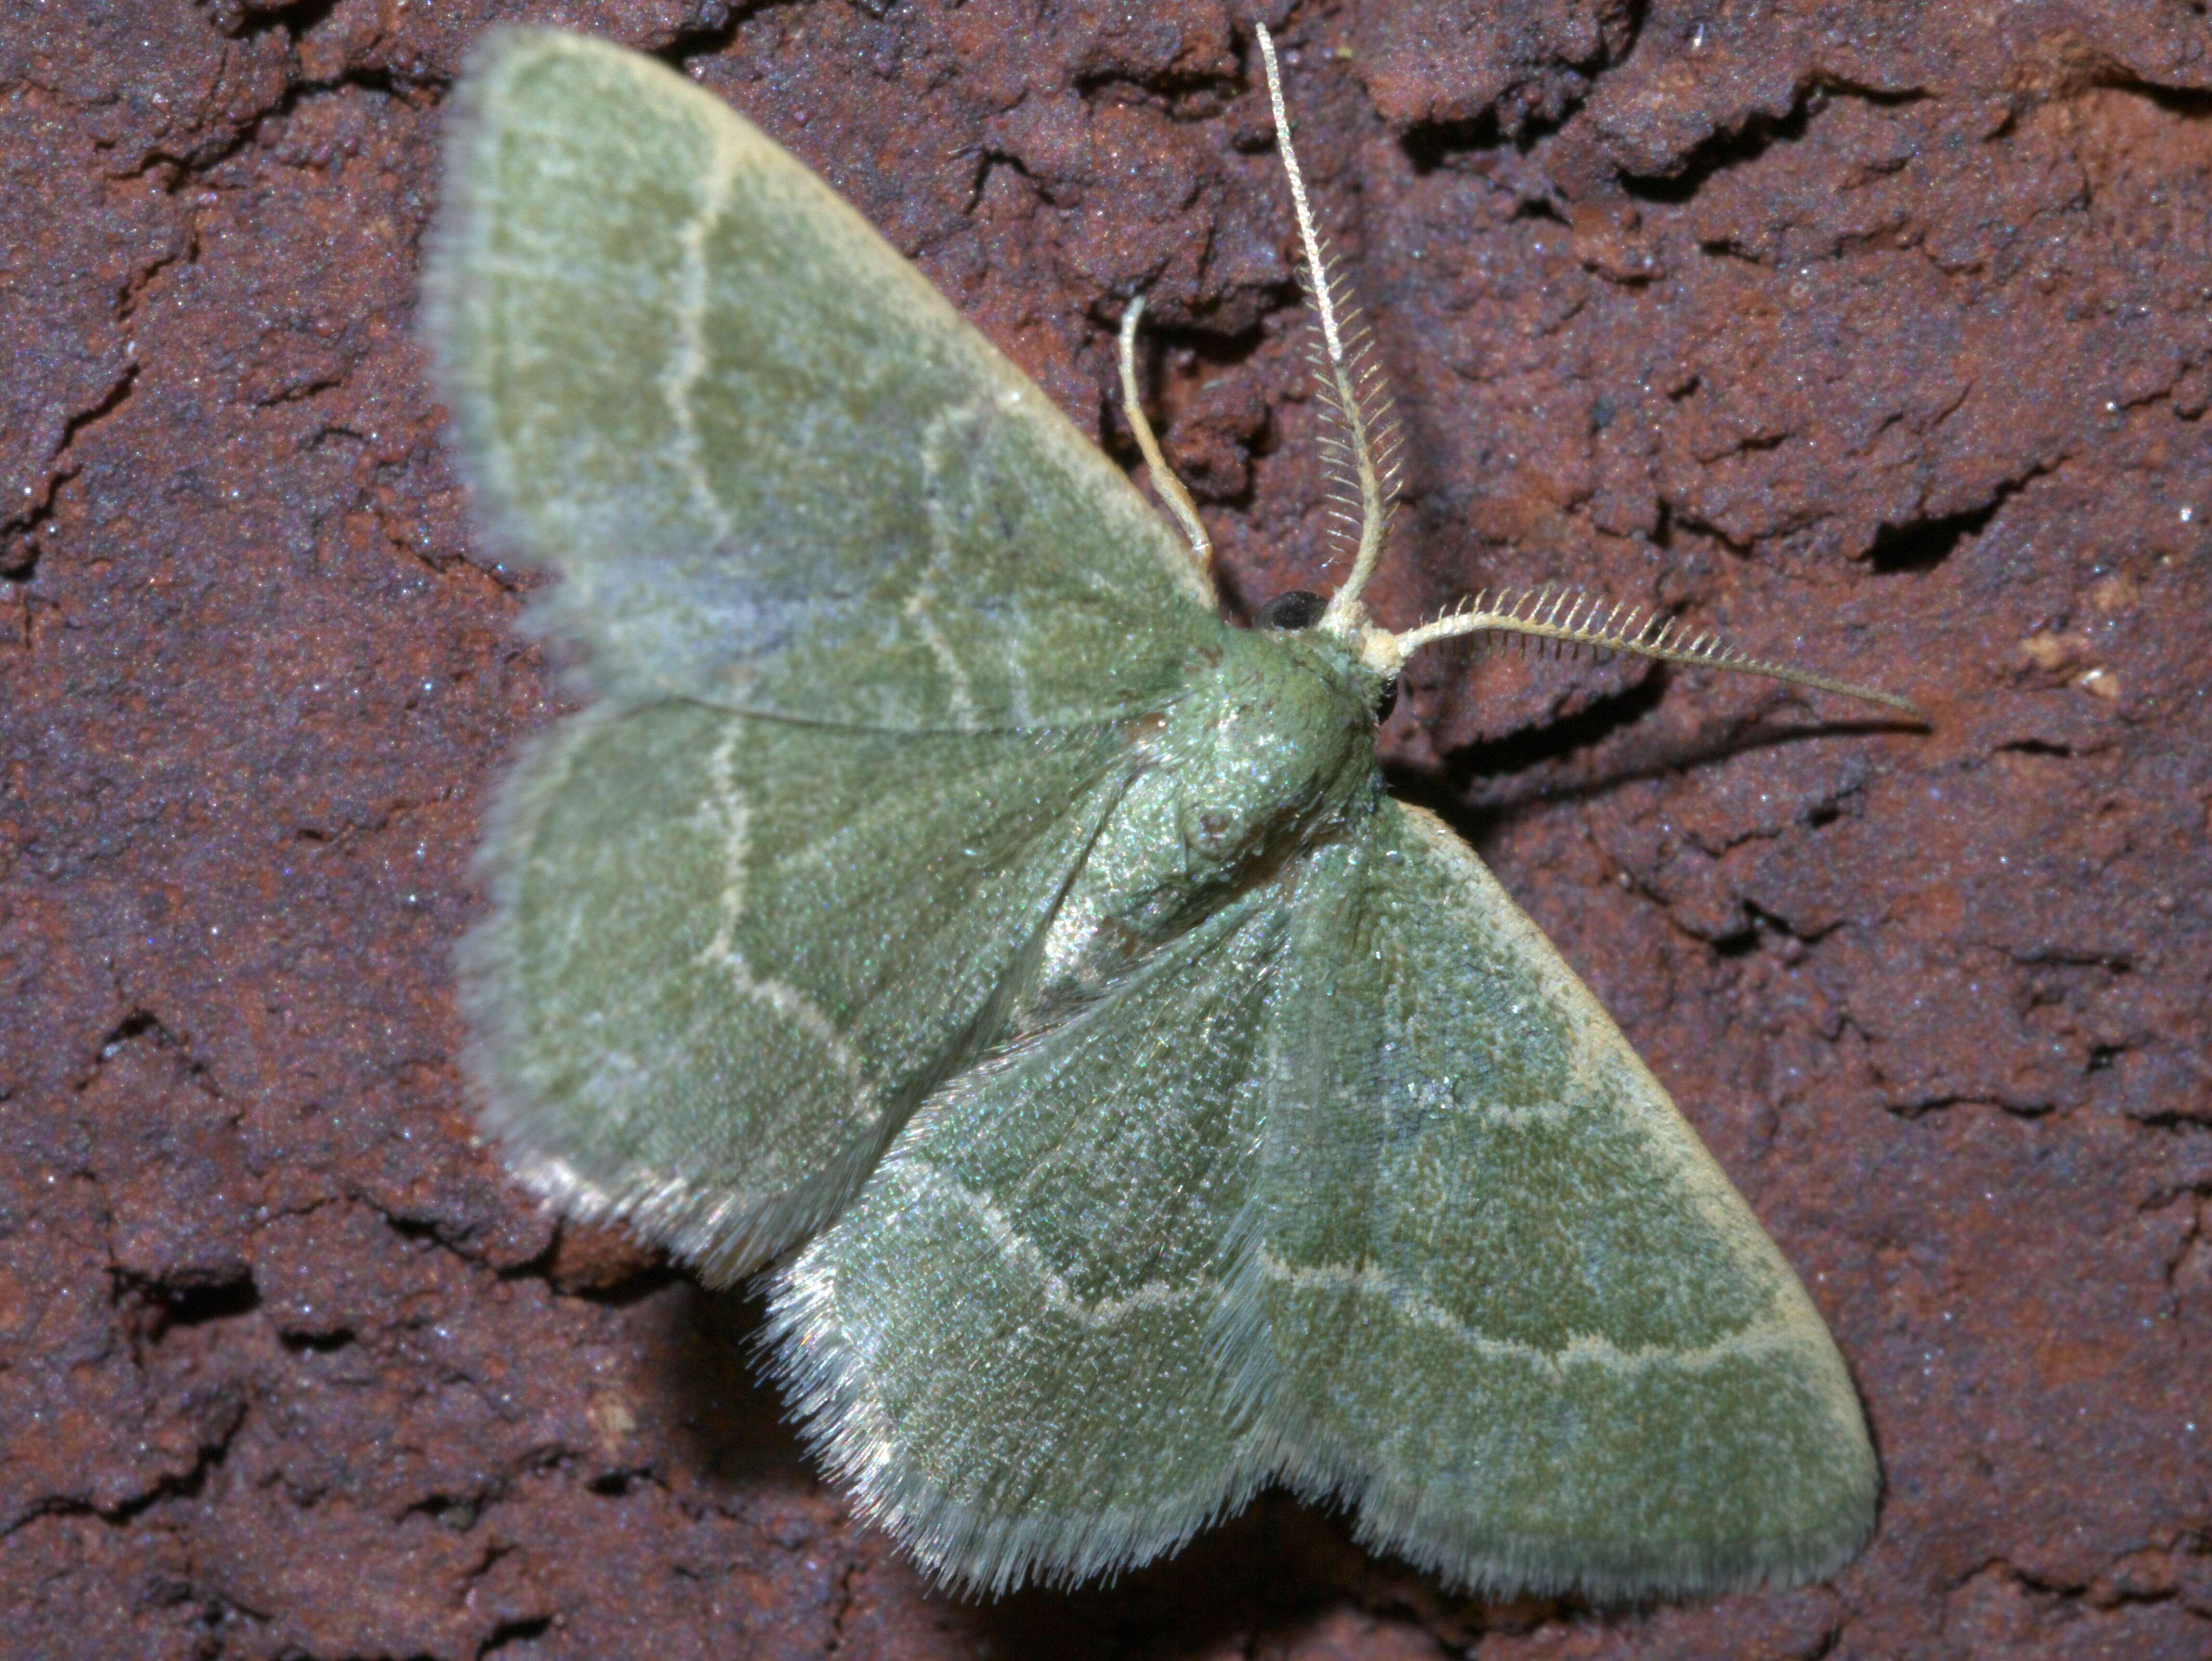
(1164, 480)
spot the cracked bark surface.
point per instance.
(1875, 333)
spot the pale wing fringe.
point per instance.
(1513, 1567)
(1496, 1559)
(1570, 619)
(969, 1549)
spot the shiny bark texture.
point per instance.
(1875, 334)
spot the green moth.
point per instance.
(937, 898)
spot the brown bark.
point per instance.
(1875, 332)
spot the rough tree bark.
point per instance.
(1876, 333)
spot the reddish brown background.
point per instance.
(1875, 332)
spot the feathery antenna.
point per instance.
(1572, 620)
(1362, 455)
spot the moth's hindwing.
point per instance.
(1494, 1290)
(729, 954)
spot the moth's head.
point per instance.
(1299, 608)
(1301, 611)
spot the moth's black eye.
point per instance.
(1295, 610)
(1389, 701)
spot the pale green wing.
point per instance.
(775, 469)
(1496, 1294)
(729, 954)
(1002, 1344)
(777, 474)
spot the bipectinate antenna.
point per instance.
(1361, 450)
(1362, 447)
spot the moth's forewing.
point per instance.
(775, 469)
(1002, 1344)
(1495, 1291)
(810, 532)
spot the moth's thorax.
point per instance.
(1271, 742)
(1268, 749)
